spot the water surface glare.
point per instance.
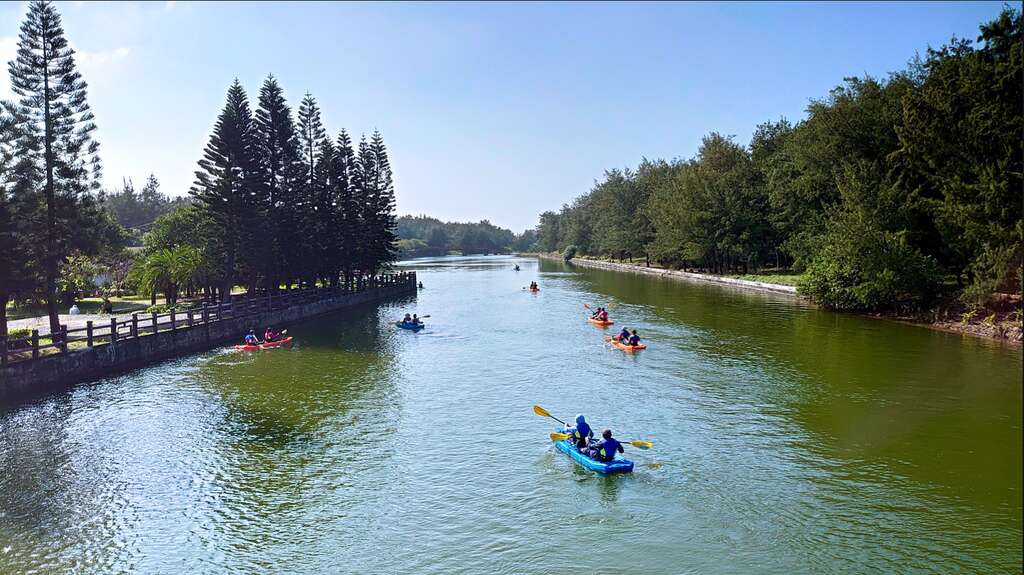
(787, 440)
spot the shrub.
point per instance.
(862, 267)
(569, 253)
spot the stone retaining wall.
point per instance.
(747, 284)
(33, 377)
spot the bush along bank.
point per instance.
(1000, 321)
(897, 196)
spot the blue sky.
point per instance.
(495, 111)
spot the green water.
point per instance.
(787, 440)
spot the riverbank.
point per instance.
(119, 346)
(982, 325)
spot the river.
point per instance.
(786, 439)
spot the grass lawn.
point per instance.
(86, 305)
(781, 278)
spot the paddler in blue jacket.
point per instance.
(581, 434)
(604, 450)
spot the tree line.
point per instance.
(890, 193)
(276, 201)
(426, 236)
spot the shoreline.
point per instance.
(1012, 335)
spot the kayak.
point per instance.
(614, 466)
(535, 290)
(600, 323)
(629, 348)
(271, 345)
(410, 326)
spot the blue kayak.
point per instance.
(410, 326)
(614, 466)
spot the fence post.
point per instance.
(206, 313)
(88, 333)
(191, 321)
(220, 311)
(35, 344)
(174, 322)
(3, 351)
(135, 325)
(63, 338)
(155, 328)
(113, 329)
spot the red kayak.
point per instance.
(272, 344)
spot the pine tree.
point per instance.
(348, 215)
(225, 182)
(55, 145)
(15, 222)
(379, 204)
(280, 173)
(311, 135)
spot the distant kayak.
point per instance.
(534, 289)
(629, 348)
(613, 466)
(270, 345)
(601, 323)
(410, 326)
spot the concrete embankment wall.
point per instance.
(678, 274)
(40, 376)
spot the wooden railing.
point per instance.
(29, 348)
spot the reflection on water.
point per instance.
(787, 439)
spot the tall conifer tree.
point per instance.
(225, 183)
(57, 152)
(311, 135)
(280, 169)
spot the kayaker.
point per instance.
(251, 339)
(602, 315)
(581, 434)
(597, 312)
(634, 340)
(407, 319)
(517, 267)
(604, 450)
(623, 336)
(420, 285)
(416, 320)
(269, 335)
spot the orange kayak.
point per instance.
(629, 348)
(535, 290)
(273, 344)
(601, 323)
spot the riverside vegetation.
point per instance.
(898, 195)
(276, 201)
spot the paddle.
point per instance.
(544, 413)
(639, 443)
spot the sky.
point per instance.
(492, 111)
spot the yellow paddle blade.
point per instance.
(586, 305)
(641, 444)
(559, 436)
(612, 305)
(541, 411)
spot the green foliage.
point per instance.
(887, 192)
(443, 237)
(569, 253)
(413, 248)
(57, 164)
(862, 267)
(137, 211)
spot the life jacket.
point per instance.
(251, 339)
(607, 448)
(634, 340)
(624, 336)
(581, 431)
